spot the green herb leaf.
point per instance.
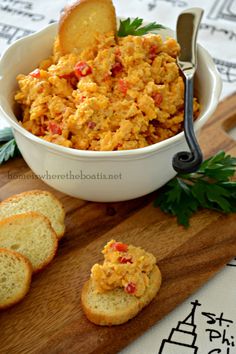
(219, 167)
(6, 134)
(128, 27)
(8, 147)
(210, 187)
(176, 199)
(8, 150)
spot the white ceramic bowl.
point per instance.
(130, 173)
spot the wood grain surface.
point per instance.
(50, 320)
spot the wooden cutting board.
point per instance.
(49, 320)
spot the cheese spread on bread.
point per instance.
(125, 266)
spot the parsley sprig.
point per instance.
(8, 147)
(135, 28)
(211, 187)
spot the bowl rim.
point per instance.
(162, 145)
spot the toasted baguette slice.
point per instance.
(15, 277)
(31, 235)
(39, 201)
(81, 22)
(115, 307)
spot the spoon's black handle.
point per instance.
(185, 161)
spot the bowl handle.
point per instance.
(185, 161)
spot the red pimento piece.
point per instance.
(117, 68)
(91, 125)
(158, 98)
(130, 288)
(71, 79)
(54, 128)
(125, 260)
(120, 247)
(123, 86)
(67, 76)
(82, 69)
(35, 73)
(153, 52)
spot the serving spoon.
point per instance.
(187, 28)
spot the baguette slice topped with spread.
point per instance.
(81, 22)
(122, 286)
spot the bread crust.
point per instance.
(34, 214)
(28, 278)
(103, 319)
(38, 192)
(64, 22)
